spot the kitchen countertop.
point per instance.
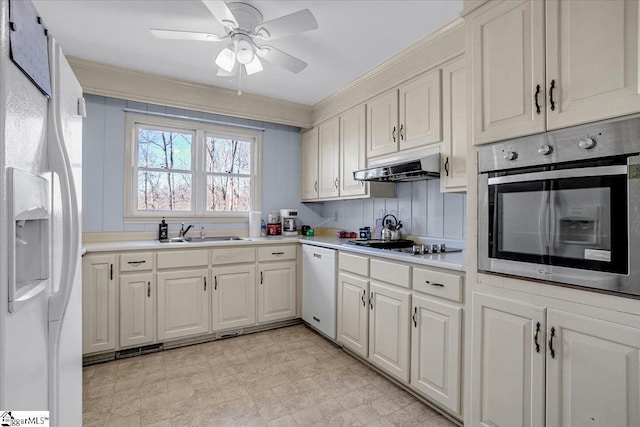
(450, 261)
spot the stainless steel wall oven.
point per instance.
(564, 207)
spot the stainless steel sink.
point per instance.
(199, 240)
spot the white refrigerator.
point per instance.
(40, 229)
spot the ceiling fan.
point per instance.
(243, 27)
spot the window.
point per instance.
(181, 169)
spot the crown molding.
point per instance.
(433, 50)
(119, 82)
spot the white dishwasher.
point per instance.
(319, 276)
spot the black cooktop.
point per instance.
(382, 244)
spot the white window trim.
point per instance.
(198, 170)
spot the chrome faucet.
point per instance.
(183, 231)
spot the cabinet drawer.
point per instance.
(396, 274)
(178, 259)
(276, 253)
(444, 285)
(354, 263)
(232, 256)
(136, 261)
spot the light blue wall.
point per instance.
(103, 165)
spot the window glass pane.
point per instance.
(228, 156)
(226, 193)
(164, 191)
(164, 149)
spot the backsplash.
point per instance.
(422, 208)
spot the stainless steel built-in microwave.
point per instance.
(564, 207)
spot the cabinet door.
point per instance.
(353, 313)
(98, 303)
(507, 369)
(353, 155)
(310, 164)
(234, 297)
(382, 122)
(507, 55)
(389, 329)
(277, 291)
(593, 378)
(329, 153)
(420, 111)
(435, 351)
(183, 303)
(592, 56)
(137, 316)
(453, 171)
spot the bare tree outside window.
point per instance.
(228, 168)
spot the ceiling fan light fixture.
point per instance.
(255, 66)
(226, 59)
(244, 54)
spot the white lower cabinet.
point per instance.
(183, 303)
(99, 306)
(234, 296)
(137, 316)
(537, 366)
(353, 313)
(276, 291)
(389, 329)
(436, 351)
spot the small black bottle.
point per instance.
(163, 230)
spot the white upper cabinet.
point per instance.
(419, 109)
(310, 164)
(382, 124)
(353, 154)
(507, 55)
(328, 155)
(587, 71)
(453, 152)
(592, 56)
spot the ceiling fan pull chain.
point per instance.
(240, 81)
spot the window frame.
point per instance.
(198, 170)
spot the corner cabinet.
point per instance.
(406, 117)
(309, 172)
(99, 308)
(539, 366)
(587, 71)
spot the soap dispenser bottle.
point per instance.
(163, 230)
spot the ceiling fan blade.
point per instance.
(221, 12)
(297, 22)
(280, 58)
(185, 35)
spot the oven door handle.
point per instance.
(560, 174)
(543, 222)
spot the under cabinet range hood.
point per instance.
(415, 166)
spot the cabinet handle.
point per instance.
(317, 256)
(136, 262)
(110, 271)
(215, 283)
(551, 350)
(371, 300)
(551, 103)
(434, 284)
(401, 133)
(535, 337)
(415, 313)
(535, 97)
(446, 166)
(393, 134)
(261, 278)
(277, 253)
(336, 183)
(148, 289)
(205, 283)
(315, 186)
(364, 303)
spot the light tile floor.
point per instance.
(284, 377)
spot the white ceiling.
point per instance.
(352, 38)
